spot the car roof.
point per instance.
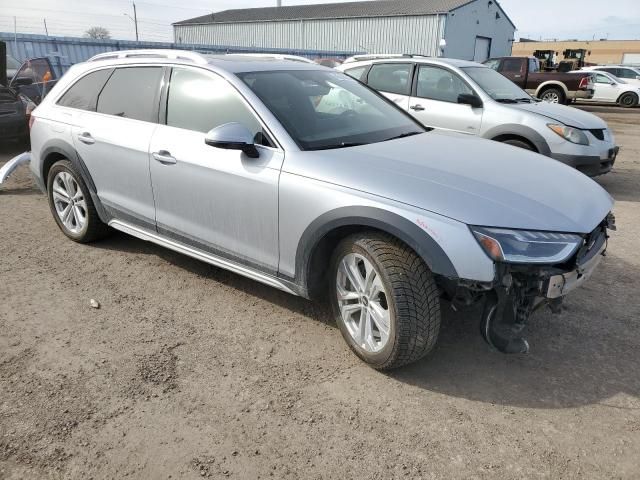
(454, 62)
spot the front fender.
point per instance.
(521, 131)
(415, 237)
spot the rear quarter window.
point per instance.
(132, 92)
(84, 93)
(356, 72)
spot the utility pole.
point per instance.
(15, 35)
(135, 19)
(46, 30)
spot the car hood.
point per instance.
(475, 181)
(568, 115)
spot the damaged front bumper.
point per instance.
(9, 167)
(521, 289)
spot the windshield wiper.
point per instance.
(340, 145)
(524, 100)
(506, 100)
(403, 135)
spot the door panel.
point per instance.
(604, 91)
(116, 152)
(435, 99)
(218, 200)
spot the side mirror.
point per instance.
(22, 81)
(232, 136)
(470, 99)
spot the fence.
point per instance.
(66, 51)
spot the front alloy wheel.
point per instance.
(362, 299)
(385, 300)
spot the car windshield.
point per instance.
(497, 86)
(324, 110)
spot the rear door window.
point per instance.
(391, 77)
(132, 92)
(84, 93)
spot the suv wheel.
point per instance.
(628, 100)
(71, 204)
(553, 95)
(384, 299)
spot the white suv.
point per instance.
(474, 99)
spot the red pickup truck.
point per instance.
(554, 87)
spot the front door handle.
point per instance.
(85, 137)
(417, 108)
(164, 157)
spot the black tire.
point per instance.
(628, 100)
(552, 95)
(413, 303)
(94, 228)
(519, 143)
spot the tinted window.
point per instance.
(439, 84)
(612, 71)
(626, 73)
(132, 93)
(511, 65)
(84, 92)
(322, 109)
(201, 103)
(391, 77)
(356, 72)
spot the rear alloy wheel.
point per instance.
(628, 100)
(384, 299)
(552, 95)
(71, 204)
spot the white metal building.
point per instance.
(472, 29)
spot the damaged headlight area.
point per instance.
(523, 246)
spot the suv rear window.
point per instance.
(391, 77)
(84, 92)
(132, 92)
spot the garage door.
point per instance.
(631, 59)
(483, 49)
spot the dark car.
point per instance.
(14, 115)
(554, 87)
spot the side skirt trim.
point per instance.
(153, 237)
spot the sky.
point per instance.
(537, 19)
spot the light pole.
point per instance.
(134, 19)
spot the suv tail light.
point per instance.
(584, 83)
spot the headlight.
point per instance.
(573, 135)
(522, 246)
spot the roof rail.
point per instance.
(157, 53)
(375, 56)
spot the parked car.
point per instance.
(553, 87)
(471, 98)
(627, 73)
(14, 115)
(12, 67)
(232, 161)
(611, 89)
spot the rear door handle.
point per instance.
(85, 137)
(164, 157)
(417, 108)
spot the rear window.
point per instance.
(132, 92)
(391, 77)
(83, 94)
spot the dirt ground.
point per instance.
(187, 371)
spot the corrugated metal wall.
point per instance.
(414, 34)
(66, 51)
